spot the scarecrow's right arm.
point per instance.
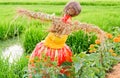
(37, 15)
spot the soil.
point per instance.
(115, 73)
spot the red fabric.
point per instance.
(65, 18)
(63, 54)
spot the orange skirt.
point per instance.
(63, 54)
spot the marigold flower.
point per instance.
(119, 39)
(114, 54)
(111, 50)
(31, 61)
(116, 39)
(97, 41)
(92, 46)
(109, 35)
(91, 51)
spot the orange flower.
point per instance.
(97, 41)
(32, 61)
(116, 39)
(114, 54)
(91, 51)
(108, 35)
(119, 37)
(92, 46)
(111, 50)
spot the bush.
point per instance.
(32, 36)
(79, 41)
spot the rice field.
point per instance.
(102, 13)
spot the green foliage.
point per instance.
(84, 65)
(32, 36)
(89, 65)
(14, 70)
(79, 41)
(116, 45)
(44, 67)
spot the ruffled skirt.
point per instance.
(62, 54)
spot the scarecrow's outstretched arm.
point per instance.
(89, 28)
(37, 15)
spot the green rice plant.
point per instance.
(32, 36)
(79, 41)
(3, 30)
(107, 16)
(61, 2)
(8, 30)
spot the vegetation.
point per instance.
(90, 59)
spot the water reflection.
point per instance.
(13, 53)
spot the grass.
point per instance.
(60, 2)
(54, 0)
(16, 70)
(103, 16)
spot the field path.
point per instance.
(115, 73)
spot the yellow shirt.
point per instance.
(55, 42)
